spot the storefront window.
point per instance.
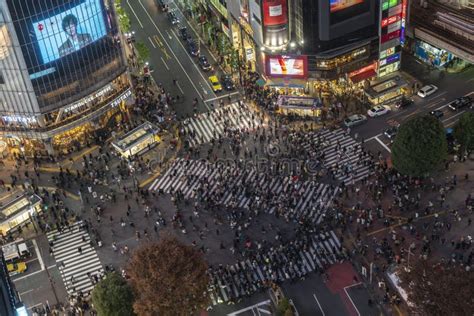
(432, 55)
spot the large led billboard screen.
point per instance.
(337, 5)
(69, 31)
(286, 66)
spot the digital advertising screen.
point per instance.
(69, 31)
(287, 66)
(275, 12)
(337, 5)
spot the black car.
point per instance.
(173, 18)
(193, 48)
(227, 82)
(437, 113)
(204, 63)
(403, 103)
(459, 103)
(391, 132)
(183, 33)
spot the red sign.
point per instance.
(275, 12)
(390, 36)
(390, 20)
(286, 66)
(364, 69)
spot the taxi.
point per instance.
(215, 84)
(16, 268)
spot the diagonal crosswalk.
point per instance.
(232, 186)
(77, 268)
(291, 261)
(220, 122)
(341, 154)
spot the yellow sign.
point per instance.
(222, 10)
(247, 28)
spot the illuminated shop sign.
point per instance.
(337, 5)
(274, 12)
(88, 99)
(364, 69)
(388, 52)
(121, 98)
(390, 59)
(390, 36)
(390, 20)
(287, 66)
(19, 119)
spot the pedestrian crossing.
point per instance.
(220, 122)
(233, 186)
(290, 261)
(77, 268)
(342, 155)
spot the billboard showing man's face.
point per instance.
(69, 31)
(337, 5)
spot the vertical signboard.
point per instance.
(391, 35)
(275, 22)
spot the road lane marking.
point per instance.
(172, 52)
(373, 137)
(152, 44)
(240, 311)
(38, 254)
(383, 145)
(222, 96)
(350, 298)
(443, 106)
(26, 276)
(164, 63)
(317, 301)
(430, 105)
(169, 36)
(179, 87)
(136, 16)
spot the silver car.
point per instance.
(354, 120)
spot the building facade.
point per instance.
(63, 74)
(9, 301)
(298, 44)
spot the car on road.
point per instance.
(377, 110)
(193, 48)
(183, 33)
(460, 103)
(172, 17)
(437, 113)
(215, 84)
(427, 90)
(403, 103)
(354, 120)
(16, 267)
(228, 83)
(204, 63)
(391, 132)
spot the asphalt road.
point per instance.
(169, 56)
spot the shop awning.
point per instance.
(362, 76)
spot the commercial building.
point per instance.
(18, 209)
(10, 304)
(62, 74)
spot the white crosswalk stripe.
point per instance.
(291, 261)
(236, 187)
(343, 155)
(76, 268)
(218, 122)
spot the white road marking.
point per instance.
(179, 87)
(136, 16)
(240, 311)
(26, 276)
(166, 65)
(350, 298)
(169, 36)
(152, 44)
(443, 106)
(38, 254)
(317, 301)
(172, 52)
(383, 145)
(222, 96)
(373, 137)
(26, 292)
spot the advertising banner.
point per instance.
(337, 5)
(275, 12)
(69, 31)
(286, 66)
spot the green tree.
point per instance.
(438, 289)
(113, 296)
(169, 278)
(464, 131)
(284, 308)
(123, 19)
(143, 52)
(420, 146)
